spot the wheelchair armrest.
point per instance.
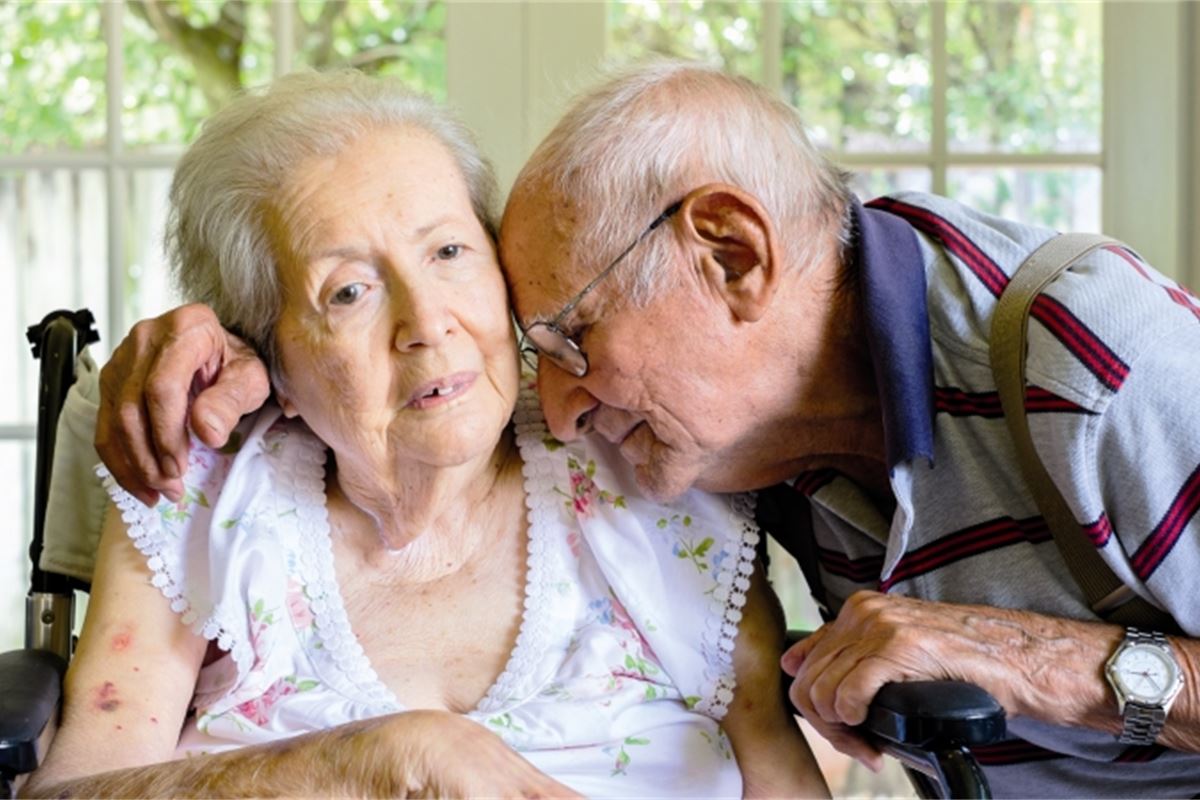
(932, 714)
(30, 690)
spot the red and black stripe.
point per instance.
(975, 540)
(1178, 293)
(959, 403)
(1164, 536)
(1012, 751)
(1080, 340)
(859, 570)
(1100, 531)
(808, 483)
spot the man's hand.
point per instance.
(171, 370)
(878, 639)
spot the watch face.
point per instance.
(1145, 673)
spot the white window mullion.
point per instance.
(938, 83)
(113, 19)
(283, 30)
(772, 47)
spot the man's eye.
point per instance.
(348, 294)
(449, 252)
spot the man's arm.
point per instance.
(412, 754)
(772, 752)
(171, 371)
(1042, 667)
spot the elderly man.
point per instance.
(706, 294)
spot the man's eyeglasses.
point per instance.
(549, 340)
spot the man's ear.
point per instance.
(738, 247)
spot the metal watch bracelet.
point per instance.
(1143, 723)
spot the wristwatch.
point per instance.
(1146, 678)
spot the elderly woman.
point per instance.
(390, 582)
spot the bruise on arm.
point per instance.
(130, 683)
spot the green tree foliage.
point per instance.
(183, 59)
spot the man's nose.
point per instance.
(565, 402)
(422, 318)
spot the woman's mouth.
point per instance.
(441, 390)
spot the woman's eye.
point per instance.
(449, 252)
(348, 294)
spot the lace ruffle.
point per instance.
(728, 599)
(541, 513)
(300, 460)
(144, 525)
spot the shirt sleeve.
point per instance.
(1147, 457)
(681, 570)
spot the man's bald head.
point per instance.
(646, 137)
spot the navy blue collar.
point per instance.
(890, 273)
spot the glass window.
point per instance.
(721, 33)
(405, 40)
(52, 67)
(859, 73)
(1023, 77)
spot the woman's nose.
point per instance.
(566, 404)
(422, 318)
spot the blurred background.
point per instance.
(1074, 115)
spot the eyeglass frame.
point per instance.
(528, 345)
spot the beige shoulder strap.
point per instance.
(1107, 595)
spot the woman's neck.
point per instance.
(427, 523)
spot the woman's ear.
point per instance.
(739, 257)
(282, 399)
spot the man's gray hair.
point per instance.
(217, 237)
(647, 136)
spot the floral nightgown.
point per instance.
(622, 668)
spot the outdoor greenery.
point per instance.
(1021, 77)
(184, 58)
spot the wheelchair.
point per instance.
(929, 726)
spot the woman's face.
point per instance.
(394, 339)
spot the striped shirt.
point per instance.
(1113, 372)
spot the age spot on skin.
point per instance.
(105, 698)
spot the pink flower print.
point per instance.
(297, 605)
(575, 543)
(257, 710)
(583, 492)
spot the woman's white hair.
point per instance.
(643, 139)
(217, 240)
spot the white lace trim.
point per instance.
(302, 472)
(145, 529)
(728, 599)
(542, 511)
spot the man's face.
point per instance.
(659, 384)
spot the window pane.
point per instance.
(16, 497)
(148, 288)
(869, 183)
(402, 39)
(53, 254)
(1066, 199)
(859, 73)
(721, 33)
(185, 59)
(1023, 77)
(51, 76)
